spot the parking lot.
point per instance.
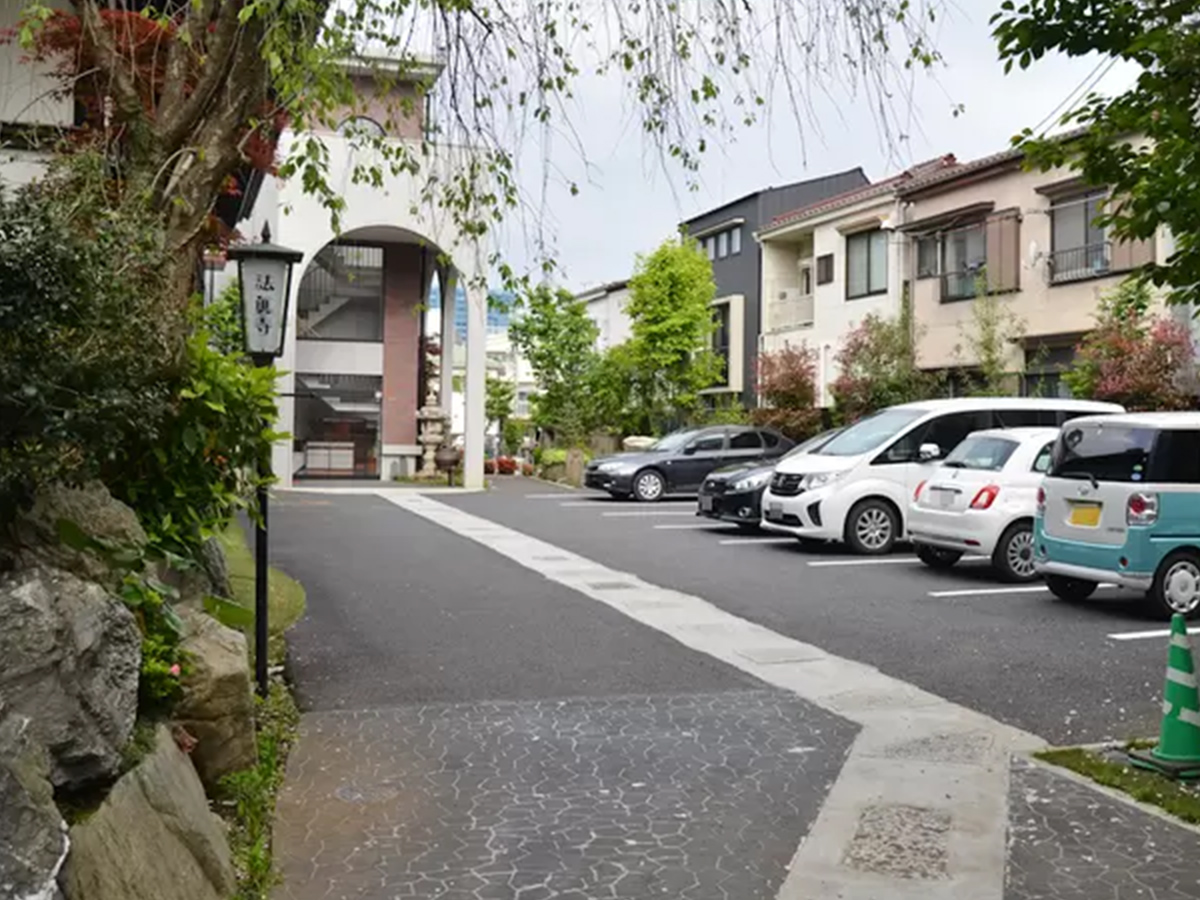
(1068, 672)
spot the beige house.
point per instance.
(1031, 239)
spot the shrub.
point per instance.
(506, 465)
(878, 368)
(527, 469)
(85, 341)
(489, 467)
(787, 385)
(1139, 360)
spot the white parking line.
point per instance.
(688, 527)
(557, 496)
(651, 512)
(1141, 635)
(859, 561)
(584, 504)
(982, 592)
(753, 540)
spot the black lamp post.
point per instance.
(265, 279)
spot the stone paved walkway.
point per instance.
(693, 796)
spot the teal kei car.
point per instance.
(1121, 504)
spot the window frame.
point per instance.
(825, 269)
(735, 241)
(694, 444)
(751, 432)
(722, 245)
(868, 238)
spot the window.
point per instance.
(1177, 457)
(770, 439)
(1077, 244)
(341, 295)
(522, 407)
(710, 247)
(1041, 462)
(745, 440)
(708, 443)
(947, 431)
(964, 261)
(806, 280)
(723, 244)
(1027, 418)
(928, 253)
(870, 432)
(721, 339)
(866, 264)
(825, 269)
(336, 425)
(735, 240)
(1104, 452)
(987, 454)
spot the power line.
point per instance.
(1081, 90)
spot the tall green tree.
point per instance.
(1143, 143)
(555, 334)
(671, 326)
(498, 405)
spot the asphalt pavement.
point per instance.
(1012, 652)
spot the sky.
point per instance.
(629, 200)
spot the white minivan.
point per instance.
(857, 487)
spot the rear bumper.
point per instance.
(968, 532)
(1090, 562)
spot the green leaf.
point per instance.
(229, 614)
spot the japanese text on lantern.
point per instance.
(264, 303)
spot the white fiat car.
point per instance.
(982, 499)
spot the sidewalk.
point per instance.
(494, 717)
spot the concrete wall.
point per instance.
(339, 357)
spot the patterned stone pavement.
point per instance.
(1070, 842)
(692, 796)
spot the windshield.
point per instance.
(674, 441)
(987, 454)
(867, 434)
(813, 444)
(1102, 452)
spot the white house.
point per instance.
(606, 307)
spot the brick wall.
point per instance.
(401, 341)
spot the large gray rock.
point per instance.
(218, 701)
(153, 837)
(97, 514)
(33, 836)
(216, 567)
(70, 654)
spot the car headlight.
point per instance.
(611, 467)
(819, 479)
(750, 483)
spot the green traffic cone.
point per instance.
(1178, 751)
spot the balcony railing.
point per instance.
(794, 311)
(1075, 263)
(960, 285)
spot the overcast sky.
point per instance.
(628, 202)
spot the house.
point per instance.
(726, 233)
(606, 307)
(1027, 238)
(353, 364)
(829, 263)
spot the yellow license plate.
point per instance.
(1086, 515)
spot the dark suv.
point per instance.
(679, 462)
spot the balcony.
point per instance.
(790, 310)
(960, 285)
(1077, 263)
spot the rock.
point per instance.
(94, 510)
(208, 578)
(153, 837)
(33, 836)
(217, 708)
(216, 568)
(71, 655)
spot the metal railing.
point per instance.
(1075, 263)
(960, 285)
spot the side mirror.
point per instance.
(689, 450)
(929, 452)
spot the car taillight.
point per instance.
(1041, 501)
(917, 492)
(986, 497)
(1141, 509)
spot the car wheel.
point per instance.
(649, 486)
(1013, 556)
(938, 557)
(1176, 587)
(1072, 590)
(871, 527)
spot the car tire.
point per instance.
(649, 486)
(1013, 556)
(1072, 590)
(1176, 587)
(872, 527)
(938, 557)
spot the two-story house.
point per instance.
(727, 235)
(828, 264)
(1029, 239)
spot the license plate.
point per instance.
(775, 511)
(706, 504)
(944, 497)
(1085, 515)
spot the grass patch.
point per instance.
(285, 595)
(246, 800)
(1177, 798)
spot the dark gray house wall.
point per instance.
(741, 273)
